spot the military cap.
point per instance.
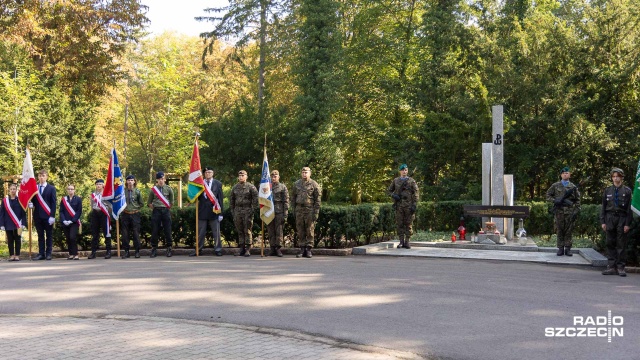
(617, 170)
(99, 181)
(131, 177)
(306, 168)
(242, 172)
(402, 167)
(208, 169)
(159, 175)
(275, 172)
(565, 169)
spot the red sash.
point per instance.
(43, 203)
(12, 215)
(69, 208)
(209, 195)
(161, 197)
(98, 200)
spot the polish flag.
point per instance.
(28, 186)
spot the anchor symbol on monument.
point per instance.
(498, 140)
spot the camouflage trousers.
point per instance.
(564, 228)
(404, 222)
(243, 220)
(274, 229)
(305, 226)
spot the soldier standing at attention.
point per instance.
(160, 200)
(306, 194)
(281, 204)
(404, 192)
(244, 201)
(565, 197)
(100, 219)
(615, 218)
(130, 218)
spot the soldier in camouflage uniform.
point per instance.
(565, 197)
(281, 204)
(404, 192)
(615, 218)
(306, 194)
(244, 201)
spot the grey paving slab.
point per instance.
(135, 337)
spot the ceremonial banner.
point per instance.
(265, 196)
(196, 182)
(28, 186)
(635, 199)
(114, 186)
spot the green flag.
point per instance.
(635, 200)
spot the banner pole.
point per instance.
(30, 222)
(262, 248)
(118, 235)
(197, 237)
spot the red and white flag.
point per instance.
(29, 185)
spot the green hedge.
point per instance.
(351, 225)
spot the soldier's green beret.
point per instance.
(402, 167)
(242, 172)
(565, 169)
(617, 170)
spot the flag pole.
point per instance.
(118, 235)
(30, 222)
(197, 237)
(262, 248)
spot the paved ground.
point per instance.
(438, 308)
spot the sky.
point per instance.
(172, 15)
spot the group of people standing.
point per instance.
(615, 217)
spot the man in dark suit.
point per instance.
(70, 212)
(206, 216)
(44, 215)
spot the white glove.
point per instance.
(24, 227)
(2, 228)
(67, 222)
(219, 218)
(51, 220)
(30, 205)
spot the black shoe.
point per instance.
(192, 254)
(108, 255)
(560, 251)
(610, 271)
(126, 255)
(567, 251)
(621, 272)
(92, 255)
(273, 252)
(39, 257)
(308, 253)
(400, 245)
(169, 254)
(153, 252)
(243, 251)
(218, 253)
(137, 254)
(48, 257)
(278, 252)
(406, 245)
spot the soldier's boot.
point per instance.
(273, 251)
(560, 251)
(243, 251)
(154, 252)
(248, 252)
(92, 255)
(137, 254)
(611, 270)
(108, 255)
(406, 244)
(621, 271)
(169, 252)
(308, 254)
(303, 252)
(278, 252)
(125, 255)
(567, 251)
(401, 244)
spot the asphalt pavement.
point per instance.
(436, 308)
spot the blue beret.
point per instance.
(159, 175)
(402, 167)
(131, 177)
